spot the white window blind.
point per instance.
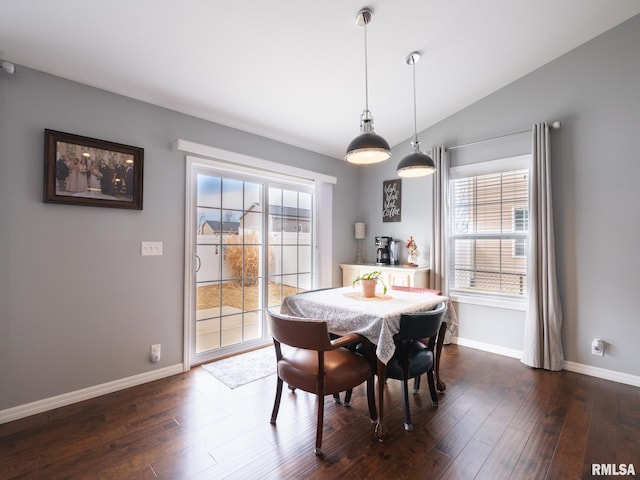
(489, 229)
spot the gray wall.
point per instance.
(79, 306)
(594, 91)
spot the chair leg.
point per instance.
(336, 398)
(276, 403)
(347, 397)
(432, 388)
(317, 450)
(416, 384)
(407, 413)
(371, 399)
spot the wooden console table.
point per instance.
(393, 275)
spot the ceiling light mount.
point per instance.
(364, 17)
(8, 67)
(368, 147)
(413, 58)
(417, 163)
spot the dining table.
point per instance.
(376, 318)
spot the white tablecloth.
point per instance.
(377, 318)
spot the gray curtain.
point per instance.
(543, 322)
(438, 254)
(438, 278)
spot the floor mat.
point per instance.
(244, 368)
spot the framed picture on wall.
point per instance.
(391, 200)
(86, 171)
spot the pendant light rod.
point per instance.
(363, 19)
(412, 59)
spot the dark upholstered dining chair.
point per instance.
(316, 364)
(412, 358)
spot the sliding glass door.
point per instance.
(290, 225)
(251, 245)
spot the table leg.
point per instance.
(382, 375)
(440, 385)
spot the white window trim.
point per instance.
(248, 164)
(520, 304)
(491, 166)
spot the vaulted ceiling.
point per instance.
(293, 70)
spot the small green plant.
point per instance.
(375, 275)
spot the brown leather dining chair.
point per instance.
(412, 358)
(316, 364)
(336, 396)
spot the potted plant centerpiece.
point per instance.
(369, 281)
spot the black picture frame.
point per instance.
(86, 171)
(392, 200)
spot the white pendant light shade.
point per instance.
(417, 163)
(368, 147)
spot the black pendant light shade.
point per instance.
(417, 163)
(368, 147)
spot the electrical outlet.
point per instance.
(154, 355)
(597, 347)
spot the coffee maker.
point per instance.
(382, 255)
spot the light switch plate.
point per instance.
(150, 248)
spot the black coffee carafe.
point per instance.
(382, 255)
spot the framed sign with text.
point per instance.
(391, 200)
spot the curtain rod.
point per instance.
(555, 126)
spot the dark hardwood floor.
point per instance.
(498, 419)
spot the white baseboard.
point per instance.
(487, 347)
(566, 365)
(602, 373)
(21, 411)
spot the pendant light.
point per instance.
(417, 163)
(367, 147)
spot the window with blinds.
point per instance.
(489, 230)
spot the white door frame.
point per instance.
(238, 163)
